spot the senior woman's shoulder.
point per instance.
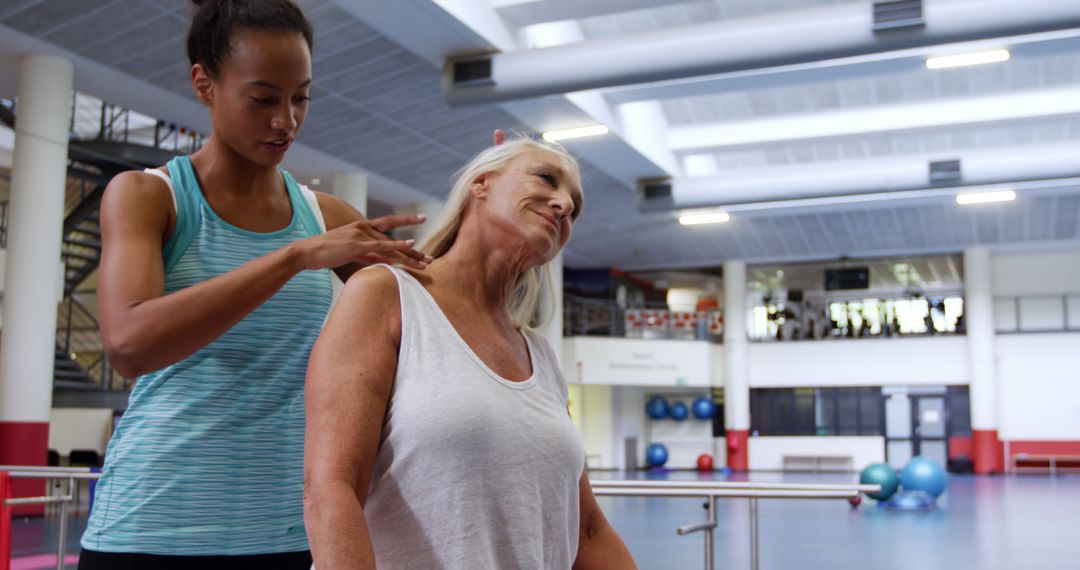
(374, 283)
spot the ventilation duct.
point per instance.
(898, 14)
(473, 71)
(943, 172)
(654, 194)
(854, 177)
(782, 38)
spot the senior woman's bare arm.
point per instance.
(349, 380)
(599, 546)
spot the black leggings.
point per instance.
(91, 560)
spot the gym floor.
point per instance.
(986, 523)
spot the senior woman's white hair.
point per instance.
(532, 285)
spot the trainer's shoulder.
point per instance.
(135, 191)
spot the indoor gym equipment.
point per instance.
(656, 455)
(880, 474)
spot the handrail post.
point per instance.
(5, 521)
(709, 535)
(753, 534)
(62, 533)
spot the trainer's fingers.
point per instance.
(373, 258)
(398, 251)
(387, 223)
(404, 258)
(418, 255)
(498, 137)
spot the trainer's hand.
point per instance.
(363, 241)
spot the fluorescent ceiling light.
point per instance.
(959, 60)
(698, 218)
(986, 197)
(563, 134)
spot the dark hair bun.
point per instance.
(215, 21)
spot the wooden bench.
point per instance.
(1044, 462)
(818, 463)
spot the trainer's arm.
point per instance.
(599, 546)
(143, 329)
(350, 377)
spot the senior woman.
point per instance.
(437, 427)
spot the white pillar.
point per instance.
(736, 377)
(420, 231)
(353, 188)
(979, 319)
(553, 305)
(32, 278)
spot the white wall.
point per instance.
(80, 428)
(936, 361)
(596, 421)
(1028, 273)
(639, 362)
(767, 453)
(1039, 386)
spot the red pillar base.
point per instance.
(987, 451)
(25, 444)
(737, 453)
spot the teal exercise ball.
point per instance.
(880, 474)
(924, 474)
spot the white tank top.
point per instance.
(473, 471)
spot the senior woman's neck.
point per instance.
(477, 271)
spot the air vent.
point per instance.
(898, 14)
(654, 194)
(945, 172)
(472, 72)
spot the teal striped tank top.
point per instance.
(208, 457)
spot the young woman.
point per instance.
(209, 294)
(438, 435)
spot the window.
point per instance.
(818, 411)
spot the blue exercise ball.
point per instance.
(924, 474)
(656, 454)
(880, 474)
(679, 411)
(657, 408)
(703, 408)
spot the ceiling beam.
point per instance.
(875, 120)
(767, 186)
(530, 12)
(880, 63)
(781, 38)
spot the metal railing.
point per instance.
(78, 333)
(583, 316)
(711, 491)
(1054, 312)
(4, 207)
(72, 476)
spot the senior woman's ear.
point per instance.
(480, 185)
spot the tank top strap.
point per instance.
(188, 214)
(409, 299)
(303, 206)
